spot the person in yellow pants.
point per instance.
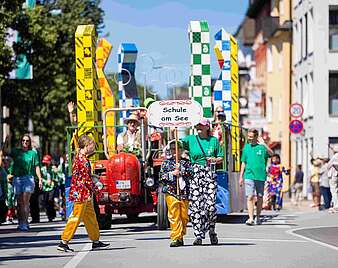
(174, 178)
(81, 193)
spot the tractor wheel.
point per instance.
(105, 221)
(162, 211)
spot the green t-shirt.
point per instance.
(24, 162)
(210, 146)
(255, 158)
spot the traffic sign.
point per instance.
(296, 126)
(296, 110)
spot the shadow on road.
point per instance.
(34, 241)
(29, 257)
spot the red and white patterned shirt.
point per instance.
(82, 187)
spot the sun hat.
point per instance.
(204, 122)
(132, 117)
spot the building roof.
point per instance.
(255, 7)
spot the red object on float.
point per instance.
(123, 174)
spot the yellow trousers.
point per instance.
(178, 216)
(82, 211)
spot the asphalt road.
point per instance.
(291, 238)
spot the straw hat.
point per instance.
(132, 117)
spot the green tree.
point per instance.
(9, 11)
(48, 32)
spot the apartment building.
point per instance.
(315, 78)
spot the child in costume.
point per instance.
(174, 178)
(274, 183)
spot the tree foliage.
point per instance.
(48, 32)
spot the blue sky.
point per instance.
(160, 29)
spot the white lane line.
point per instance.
(74, 262)
(310, 239)
(257, 239)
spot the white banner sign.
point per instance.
(175, 113)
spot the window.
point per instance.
(295, 44)
(281, 7)
(306, 36)
(301, 39)
(333, 29)
(333, 94)
(269, 59)
(310, 32)
(269, 110)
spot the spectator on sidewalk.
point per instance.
(324, 183)
(3, 190)
(48, 187)
(253, 173)
(314, 180)
(26, 165)
(298, 184)
(333, 178)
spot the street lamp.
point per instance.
(153, 67)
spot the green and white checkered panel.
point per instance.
(200, 77)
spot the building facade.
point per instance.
(273, 57)
(315, 79)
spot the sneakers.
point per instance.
(176, 243)
(258, 221)
(213, 238)
(64, 247)
(249, 222)
(98, 245)
(197, 242)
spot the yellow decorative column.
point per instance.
(108, 101)
(235, 138)
(88, 93)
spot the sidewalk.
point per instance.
(303, 206)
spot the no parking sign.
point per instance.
(296, 126)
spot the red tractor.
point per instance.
(130, 183)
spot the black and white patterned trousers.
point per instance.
(202, 208)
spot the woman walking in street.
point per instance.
(81, 193)
(26, 164)
(205, 152)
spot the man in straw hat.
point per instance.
(130, 139)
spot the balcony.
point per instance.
(271, 26)
(246, 32)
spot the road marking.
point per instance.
(310, 239)
(257, 239)
(74, 262)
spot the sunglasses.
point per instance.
(25, 140)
